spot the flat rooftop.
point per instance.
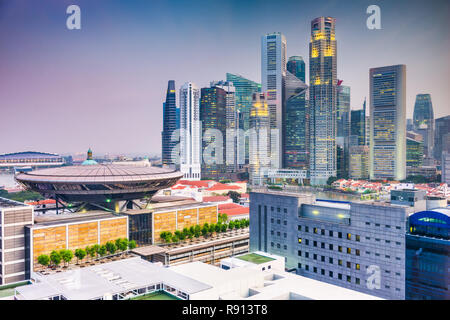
(109, 278)
(168, 206)
(8, 204)
(54, 219)
(255, 258)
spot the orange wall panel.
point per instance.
(48, 239)
(82, 235)
(110, 230)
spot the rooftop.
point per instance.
(53, 219)
(255, 258)
(7, 204)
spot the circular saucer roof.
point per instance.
(95, 183)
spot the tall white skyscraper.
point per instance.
(388, 123)
(190, 131)
(273, 73)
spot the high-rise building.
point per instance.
(445, 167)
(244, 89)
(273, 73)
(169, 124)
(232, 125)
(190, 131)
(359, 162)
(296, 124)
(423, 120)
(441, 137)
(343, 111)
(388, 122)
(358, 126)
(213, 105)
(322, 95)
(296, 66)
(259, 138)
(414, 149)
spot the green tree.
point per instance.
(223, 227)
(111, 247)
(218, 227)
(212, 228)
(123, 244)
(55, 258)
(102, 251)
(44, 260)
(132, 244)
(331, 180)
(80, 254)
(96, 248)
(235, 196)
(87, 249)
(66, 255)
(243, 223)
(175, 239)
(92, 252)
(231, 225)
(237, 224)
(204, 231)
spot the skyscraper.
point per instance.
(296, 66)
(273, 73)
(358, 126)
(414, 149)
(388, 122)
(244, 89)
(232, 125)
(322, 95)
(259, 137)
(169, 124)
(423, 119)
(190, 136)
(296, 126)
(442, 137)
(359, 162)
(343, 111)
(213, 116)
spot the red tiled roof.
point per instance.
(200, 184)
(215, 198)
(236, 211)
(225, 206)
(245, 195)
(47, 201)
(221, 186)
(178, 187)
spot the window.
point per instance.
(340, 262)
(315, 256)
(272, 232)
(285, 222)
(271, 244)
(330, 246)
(299, 228)
(330, 233)
(306, 229)
(398, 227)
(271, 220)
(322, 232)
(285, 210)
(322, 258)
(315, 243)
(357, 281)
(349, 236)
(397, 273)
(357, 266)
(387, 271)
(357, 252)
(299, 240)
(330, 274)
(330, 260)
(307, 242)
(398, 258)
(285, 247)
(322, 245)
(378, 240)
(339, 248)
(340, 235)
(271, 208)
(315, 230)
(299, 253)
(398, 243)
(278, 221)
(387, 257)
(299, 265)
(388, 226)
(357, 238)
(306, 254)
(349, 264)
(278, 246)
(322, 271)
(349, 279)
(339, 276)
(377, 224)
(285, 235)
(306, 267)
(388, 241)
(367, 223)
(278, 233)
(278, 209)
(315, 269)
(349, 250)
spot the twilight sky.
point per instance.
(103, 86)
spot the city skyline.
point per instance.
(106, 71)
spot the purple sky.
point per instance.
(103, 86)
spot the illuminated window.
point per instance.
(357, 238)
(349, 251)
(349, 236)
(357, 266)
(299, 240)
(315, 230)
(339, 248)
(340, 262)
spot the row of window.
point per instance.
(330, 246)
(330, 233)
(386, 225)
(330, 260)
(330, 274)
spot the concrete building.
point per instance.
(414, 149)
(359, 162)
(190, 131)
(273, 74)
(441, 136)
(388, 123)
(356, 245)
(322, 103)
(14, 216)
(445, 168)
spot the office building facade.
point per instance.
(423, 120)
(322, 95)
(441, 137)
(388, 122)
(414, 149)
(213, 105)
(190, 131)
(358, 162)
(360, 246)
(273, 74)
(445, 167)
(169, 140)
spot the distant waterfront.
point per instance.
(7, 180)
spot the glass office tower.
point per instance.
(441, 137)
(296, 66)
(296, 126)
(273, 73)
(423, 119)
(388, 123)
(358, 126)
(414, 149)
(214, 123)
(322, 95)
(170, 124)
